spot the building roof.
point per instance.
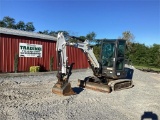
(26, 34)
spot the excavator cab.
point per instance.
(113, 58)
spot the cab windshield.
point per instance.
(108, 50)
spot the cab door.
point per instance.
(120, 59)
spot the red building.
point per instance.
(42, 48)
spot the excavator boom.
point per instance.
(62, 86)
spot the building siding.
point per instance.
(9, 46)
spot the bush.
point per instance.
(16, 63)
(51, 63)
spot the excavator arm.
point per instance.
(64, 70)
(63, 59)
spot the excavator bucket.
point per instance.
(64, 89)
(94, 86)
(63, 86)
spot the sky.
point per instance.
(107, 18)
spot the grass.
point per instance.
(145, 67)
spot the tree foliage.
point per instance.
(82, 37)
(97, 50)
(9, 22)
(2, 24)
(127, 35)
(141, 54)
(54, 33)
(20, 25)
(91, 36)
(29, 27)
(46, 32)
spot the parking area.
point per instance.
(30, 98)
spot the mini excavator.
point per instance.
(109, 73)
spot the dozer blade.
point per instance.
(120, 84)
(94, 86)
(65, 90)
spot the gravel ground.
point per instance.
(30, 98)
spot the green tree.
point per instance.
(65, 33)
(2, 24)
(72, 40)
(141, 54)
(154, 55)
(20, 25)
(91, 36)
(46, 32)
(129, 37)
(96, 51)
(30, 27)
(137, 54)
(82, 37)
(8, 22)
(52, 33)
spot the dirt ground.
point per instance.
(30, 98)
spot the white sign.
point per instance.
(30, 50)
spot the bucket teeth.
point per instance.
(64, 89)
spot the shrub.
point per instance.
(16, 63)
(51, 63)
